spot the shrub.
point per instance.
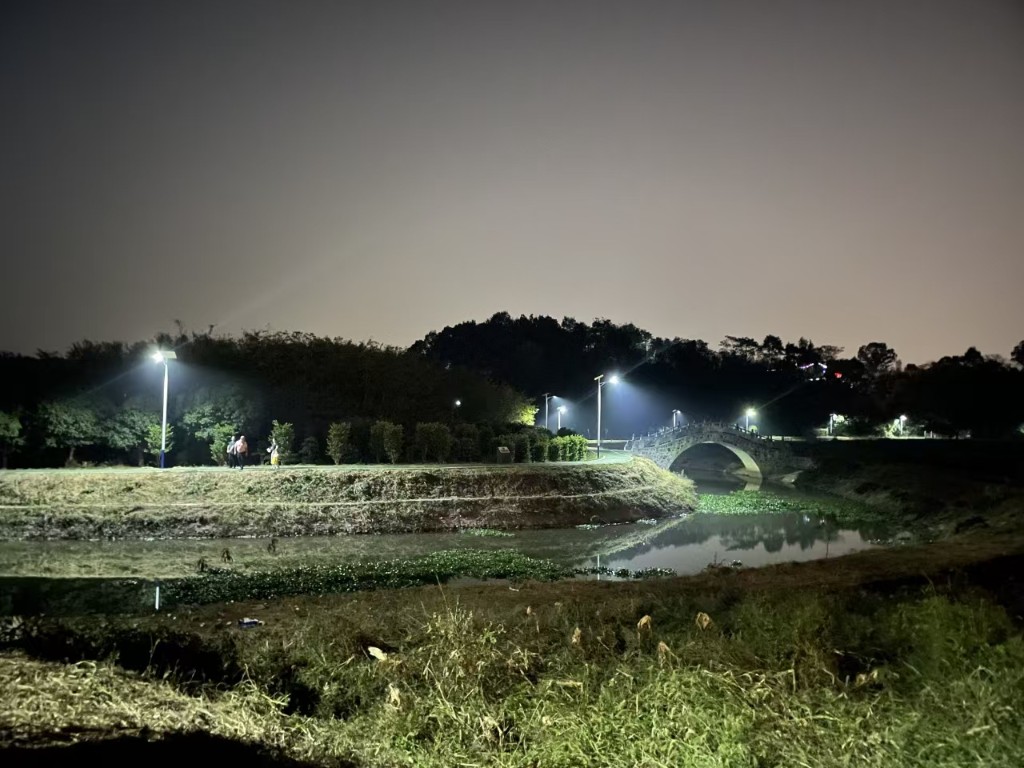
(338, 436)
(284, 434)
(433, 440)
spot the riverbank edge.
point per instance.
(327, 501)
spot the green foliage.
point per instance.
(127, 430)
(386, 441)
(467, 443)
(220, 436)
(309, 451)
(526, 414)
(154, 436)
(539, 445)
(489, 533)
(433, 441)
(568, 448)
(216, 406)
(760, 503)
(338, 436)
(68, 424)
(284, 434)
(349, 577)
(10, 435)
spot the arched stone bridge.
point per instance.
(761, 456)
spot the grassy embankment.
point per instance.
(940, 484)
(282, 502)
(856, 661)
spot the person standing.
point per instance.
(241, 451)
(231, 452)
(275, 453)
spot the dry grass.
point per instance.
(325, 501)
(813, 665)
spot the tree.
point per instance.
(128, 430)
(154, 438)
(386, 441)
(284, 435)
(379, 439)
(1018, 354)
(338, 436)
(68, 424)
(309, 451)
(878, 358)
(10, 435)
(433, 440)
(221, 434)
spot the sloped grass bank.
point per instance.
(721, 670)
(326, 501)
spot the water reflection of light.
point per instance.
(760, 540)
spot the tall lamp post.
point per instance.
(675, 413)
(561, 410)
(750, 413)
(547, 397)
(613, 379)
(162, 356)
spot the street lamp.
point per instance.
(561, 410)
(903, 421)
(750, 413)
(547, 397)
(161, 356)
(613, 379)
(676, 413)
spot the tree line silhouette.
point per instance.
(100, 401)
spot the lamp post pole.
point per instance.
(600, 383)
(162, 357)
(163, 428)
(547, 397)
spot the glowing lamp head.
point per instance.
(614, 379)
(561, 409)
(458, 403)
(751, 413)
(162, 356)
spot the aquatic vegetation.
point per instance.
(223, 585)
(487, 533)
(761, 503)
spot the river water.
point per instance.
(686, 545)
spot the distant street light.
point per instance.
(161, 356)
(547, 397)
(613, 379)
(561, 410)
(676, 413)
(903, 422)
(749, 414)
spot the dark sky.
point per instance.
(848, 171)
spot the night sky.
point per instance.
(847, 171)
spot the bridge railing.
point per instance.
(669, 434)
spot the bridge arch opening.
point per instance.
(714, 455)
